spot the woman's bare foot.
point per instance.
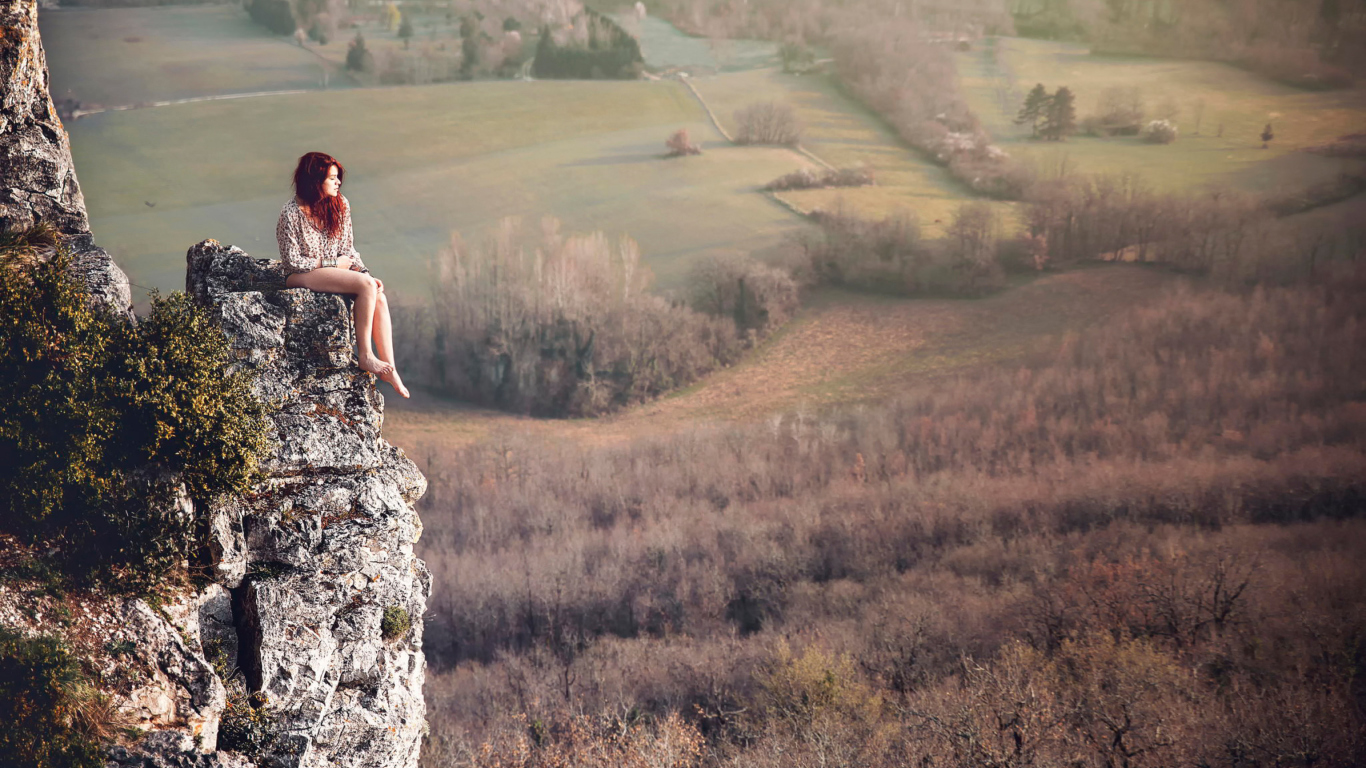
(374, 365)
(394, 381)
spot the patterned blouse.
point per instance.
(303, 244)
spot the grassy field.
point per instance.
(128, 56)
(843, 133)
(423, 161)
(664, 47)
(1237, 105)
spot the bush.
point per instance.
(274, 15)
(43, 706)
(807, 178)
(884, 256)
(1121, 113)
(797, 58)
(889, 256)
(758, 298)
(1160, 132)
(358, 57)
(767, 122)
(395, 623)
(972, 250)
(105, 420)
(249, 724)
(680, 144)
(799, 689)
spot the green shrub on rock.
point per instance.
(249, 724)
(104, 421)
(395, 623)
(43, 698)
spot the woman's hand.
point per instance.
(344, 262)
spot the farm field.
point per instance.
(423, 161)
(843, 133)
(663, 46)
(998, 73)
(124, 56)
(841, 350)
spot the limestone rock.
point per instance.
(302, 345)
(39, 179)
(37, 176)
(183, 692)
(324, 544)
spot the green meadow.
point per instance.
(1226, 150)
(425, 161)
(126, 56)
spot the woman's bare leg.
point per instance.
(384, 342)
(334, 280)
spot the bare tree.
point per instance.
(768, 122)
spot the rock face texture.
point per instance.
(324, 546)
(37, 177)
(304, 567)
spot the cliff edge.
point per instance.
(317, 554)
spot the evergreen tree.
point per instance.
(1035, 107)
(469, 46)
(405, 30)
(1060, 118)
(357, 54)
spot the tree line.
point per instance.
(555, 324)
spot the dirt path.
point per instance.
(843, 348)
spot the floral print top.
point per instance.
(303, 244)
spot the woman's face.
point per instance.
(332, 184)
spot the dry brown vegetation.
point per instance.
(912, 83)
(557, 324)
(890, 256)
(680, 144)
(807, 178)
(1139, 549)
(768, 122)
(1234, 237)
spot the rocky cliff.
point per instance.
(37, 177)
(313, 609)
(312, 559)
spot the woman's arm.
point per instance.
(348, 246)
(290, 238)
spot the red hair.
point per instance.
(309, 176)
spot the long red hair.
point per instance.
(309, 175)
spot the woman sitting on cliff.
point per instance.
(319, 253)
